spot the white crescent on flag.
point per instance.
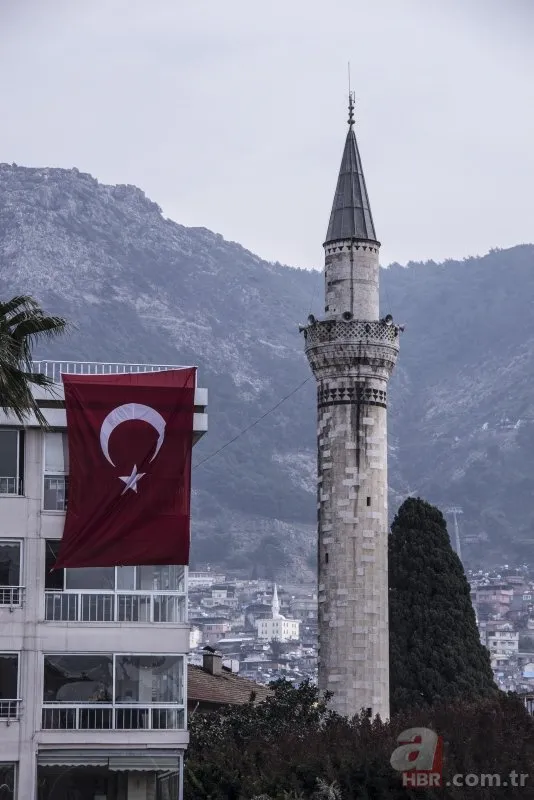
(128, 412)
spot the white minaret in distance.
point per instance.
(276, 604)
(352, 353)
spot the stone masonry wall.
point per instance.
(353, 529)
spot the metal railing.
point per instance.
(10, 709)
(11, 595)
(114, 607)
(103, 716)
(10, 485)
(56, 489)
(53, 369)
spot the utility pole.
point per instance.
(455, 510)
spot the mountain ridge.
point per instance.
(141, 288)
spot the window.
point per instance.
(78, 679)
(9, 685)
(113, 594)
(105, 691)
(7, 780)
(112, 579)
(56, 470)
(149, 679)
(11, 461)
(10, 593)
(368, 501)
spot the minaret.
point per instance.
(352, 353)
(275, 603)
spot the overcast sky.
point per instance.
(231, 114)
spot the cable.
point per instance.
(252, 424)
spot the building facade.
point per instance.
(93, 674)
(352, 352)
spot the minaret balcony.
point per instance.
(375, 332)
(370, 346)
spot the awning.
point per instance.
(130, 760)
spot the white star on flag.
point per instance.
(132, 480)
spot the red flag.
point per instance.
(130, 441)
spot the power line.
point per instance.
(252, 424)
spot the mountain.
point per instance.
(141, 288)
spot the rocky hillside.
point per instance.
(141, 288)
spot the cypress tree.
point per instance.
(435, 649)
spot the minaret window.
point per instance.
(368, 501)
(326, 558)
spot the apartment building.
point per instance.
(93, 674)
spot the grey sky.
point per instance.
(232, 114)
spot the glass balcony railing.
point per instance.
(105, 717)
(135, 606)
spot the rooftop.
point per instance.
(224, 689)
(54, 369)
(351, 216)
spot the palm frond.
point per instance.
(22, 324)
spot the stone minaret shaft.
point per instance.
(352, 353)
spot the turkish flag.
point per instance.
(130, 441)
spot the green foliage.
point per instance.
(270, 553)
(292, 748)
(277, 648)
(526, 644)
(22, 324)
(435, 649)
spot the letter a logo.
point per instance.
(416, 751)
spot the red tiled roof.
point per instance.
(226, 689)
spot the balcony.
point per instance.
(51, 399)
(106, 717)
(10, 710)
(53, 369)
(11, 596)
(86, 606)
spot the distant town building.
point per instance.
(278, 627)
(200, 580)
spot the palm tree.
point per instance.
(22, 324)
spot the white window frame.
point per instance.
(15, 765)
(45, 474)
(21, 447)
(17, 698)
(20, 587)
(113, 704)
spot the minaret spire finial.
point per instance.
(351, 103)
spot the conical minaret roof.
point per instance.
(351, 216)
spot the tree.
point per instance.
(270, 554)
(277, 648)
(435, 649)
(291, 747)
(22, 324)
(526, 644)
